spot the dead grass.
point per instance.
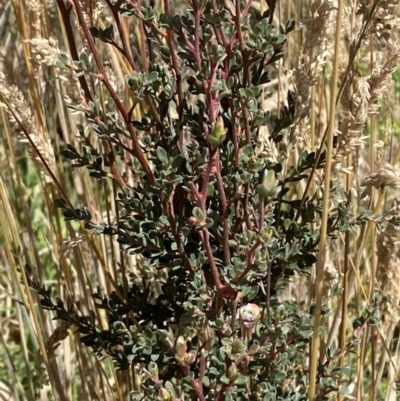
(35, 123)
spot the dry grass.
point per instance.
(35, 122)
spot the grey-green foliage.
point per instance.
(217, 227)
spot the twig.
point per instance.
(103, 77)
(225, 211)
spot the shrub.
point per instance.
(217, 209)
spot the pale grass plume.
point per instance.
(382, 13)
(92, 12)
(312, 59)
(266, 145)
(16, 105)
(388, 277)
(46, 51)
(361, 93)
(354, 102)
(385, 19)
(386, 176)
(388, 247)
(360, 99)
(379, 154)
(35, 10)
(331, 277)
(351, 25)
(385, 63)
(53, 342)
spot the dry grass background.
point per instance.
(35, 124)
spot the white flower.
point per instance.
(249, 314)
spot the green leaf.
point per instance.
(210, 189)
(68, 154)
(253, 292)
(279, 376)
(177, 23)
(198, 213)
(245, 291)
(241, 379)
(152, 77)
(177, 162)
(162, 155)
(226, 341)
(165, 54)
(60, 203)
(290, 25)
(209, 222)
(108, 33)
(94, 31)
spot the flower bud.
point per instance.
(233, 373)
(153, 369)
(269, 185)
(181, 347)
(165, 395)
(254, 348)
(193, 221)
(238, 347)
(218, 133)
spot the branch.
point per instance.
(65, 14)
(250, 252)
(103, 77)
(126, 51)
(197, 32)
(225, 211)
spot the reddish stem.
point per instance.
(224, 210)
(197, 32)
(65, 14)
(205, 237)
(103, 77)
(250, 252)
